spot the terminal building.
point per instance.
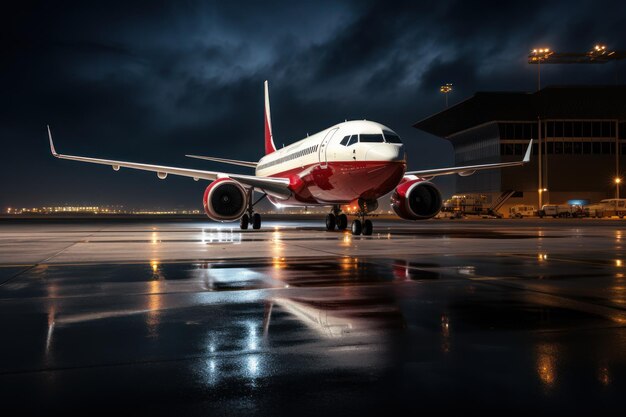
(579, 135)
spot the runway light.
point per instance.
(618, 262)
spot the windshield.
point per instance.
(372, 138)
(391, 137)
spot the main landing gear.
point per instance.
(251, 216)
(362, 226)
(359, 226)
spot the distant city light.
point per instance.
(88, 210)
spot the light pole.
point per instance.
(446, 89)
(538, 55)
(617, 182)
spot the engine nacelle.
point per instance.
(225, 200)
(416, 200)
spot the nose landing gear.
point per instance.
(336, 219)
(364, 227)
(361, 225)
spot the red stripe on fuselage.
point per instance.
(341, 182)
(269, 146)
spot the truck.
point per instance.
(608, 208)
(521, 210)
(561, 210)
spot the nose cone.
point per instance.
(385, 152)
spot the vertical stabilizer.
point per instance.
(269, 137)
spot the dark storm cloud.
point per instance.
(151, 81)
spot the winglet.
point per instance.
(54, 152)
(528, 151)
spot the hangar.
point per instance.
(580, 142)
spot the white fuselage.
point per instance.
(348, 161)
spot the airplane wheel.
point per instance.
(244, 221)
(342, 222)
(368, 227)
(256, 221)
(330, 221)
(356, 227)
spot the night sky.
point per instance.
(151, 82)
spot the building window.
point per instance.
(558, 129)
(597, 147)
(567, 147)
(567, 129)
(558, 148)
(527, 130)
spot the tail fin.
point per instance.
(269, 137)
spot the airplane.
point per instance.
(356, 161)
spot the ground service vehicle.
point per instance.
(608, 208)
(520, 211)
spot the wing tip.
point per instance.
(54, 152)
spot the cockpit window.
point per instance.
(392, 137)
(345, 140)
(372, 138)
(353, 139)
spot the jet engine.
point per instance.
(225, 200)
(416, 200)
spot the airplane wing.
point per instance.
(274, 186)
(470, 169)
(225, 161)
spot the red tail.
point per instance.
(269, 137)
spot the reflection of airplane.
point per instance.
(338, 318)
(354, 162)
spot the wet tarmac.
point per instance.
(198, 318)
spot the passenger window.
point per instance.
(377, 138)
(353, 139)
(345, 140)
(392, 137)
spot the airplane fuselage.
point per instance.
(346, 162)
